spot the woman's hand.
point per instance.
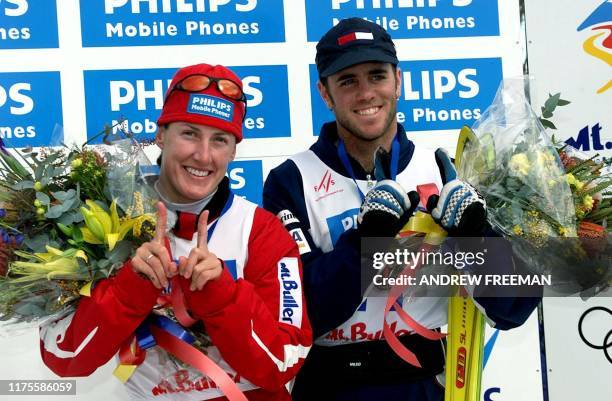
(201, 265)
(152, 258)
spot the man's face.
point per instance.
(195, 159)
(364, 99)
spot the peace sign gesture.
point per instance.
(201, 265)
(152, 258)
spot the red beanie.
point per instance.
(208, 107)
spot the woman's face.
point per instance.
(195, 159)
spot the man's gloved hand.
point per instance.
(386, 207)
(459, 209)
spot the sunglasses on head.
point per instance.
(199, 82)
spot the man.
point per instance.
(328, 199)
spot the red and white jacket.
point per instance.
(254, 314)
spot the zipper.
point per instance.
(370, 183)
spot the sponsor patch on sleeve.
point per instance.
(290, 305)
(211, 106)
(300, 240)
(286, 217)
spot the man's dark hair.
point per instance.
(324, 79)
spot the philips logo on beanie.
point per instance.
(28, 24)
(211, 106)
(407, 19)
(290, 305)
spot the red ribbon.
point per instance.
(177, 299)
(198, 360)
(131, 353)
(425, 191)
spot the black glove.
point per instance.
(386, 207)
(459, 209)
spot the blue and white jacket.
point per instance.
(317, 200)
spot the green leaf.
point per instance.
(14, 164)
(599, 187)
(20, 186)
(68, 218)
(57, 171)
(546, 113)
(552, 101)
(52, 158)
(43, 198)
(547, 123)
(77, 234)
(38, 171)
(563, 102)
(66, 206)
(77, 216)
(60, 195)
(67, 230)
(37, 243)
(54, 212)
(120, 252)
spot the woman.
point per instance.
(240, 275)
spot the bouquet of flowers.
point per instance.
(590, 181)
(550, 202)
(66, 221)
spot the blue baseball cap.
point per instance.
(353, 41)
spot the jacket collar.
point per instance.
(187, 223)
(326, 149)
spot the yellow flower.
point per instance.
(519, 163)
(105, 228)
(52, 264)
(544, 158)
(517, 230)
(140, 220)
(138, 204)
(588, 202)
(571, 180)
(102, 227)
